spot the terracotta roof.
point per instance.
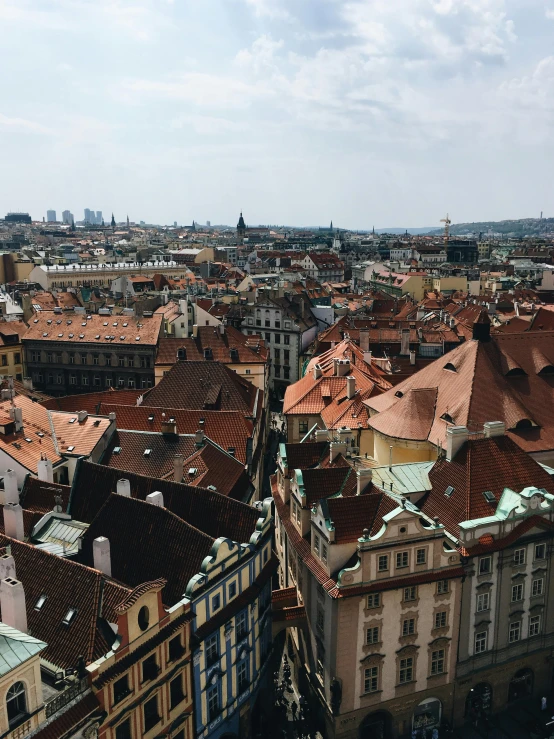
(226, 428)
(91, 402)
(305, 455)
(11, 332)
(137, 554)
(220, 345)
(350, 516)
(210, 512)
(322, 483)
(411, 418)
(83, 436)
(205, 385)
(68, 722)
(481, 465)
(94, 328)
(66, 585)
(474, 385)
(37, 496)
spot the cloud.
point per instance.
(21, 125)
(271, 9)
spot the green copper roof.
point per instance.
(16, 648)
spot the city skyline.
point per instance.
(362, 112)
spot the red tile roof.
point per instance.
(94, 328)
(90, 402)
(221, 346)
(68, 722)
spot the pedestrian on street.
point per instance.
(544, 703)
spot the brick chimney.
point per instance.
(364, 339)
(12, 602)
(405, 342)
(365, 475)
(7, 566)
(101, 555)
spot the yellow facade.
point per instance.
(27, 673)
(11, 361)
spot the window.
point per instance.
(519, 557)
(372, 635)
(50, 357)
(517, 592)
(296, 512)
(483, 601)
(410, 593)
(108, 360)
(123, 731)
(421, 556)
(540, 551)
(151, 716)
(277, 338)
(232, 590)
(17, 358)
(324, 552)
(216, 602)
(121, 382)
(83, 358)
(480, 642)
(72, 379)
(408, 626)
(95, 359)
(437, 662)
(212, 697)
(320, 664)
(267, 323)
(440, 619)
(485, 565)
(515, 631)
(242, 675)
(371, 679)
(537, 587)
(374, 600)
(16, 703)
(35, 356)
(212, 651)
(131, 382)
(121, 689)
(176, 649)
(286, 339)
(277, 353)
(401, 559)
(108, 381)
(286, 373)
(145, 362)
(286, 354)
(534, 625)
(96, 381)
(71, 358)
(406, 670)
(320, 618)
(277, 370)
(176, 693)
(150, 668)
(84, 380)
(303, 427)
(442, 587)
(316, 544)
(241, 625)
(383, 562)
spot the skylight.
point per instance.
(69, 616)
(449, 491)
(117, 450)
(489, 496)
(40, 602)
(70, 448)
(147, 452)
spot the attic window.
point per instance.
(82, 336)
(97, 336)
(488, 495)
(137, 338)
(447, 417)
(524, 423)
(147, 452)
(516, 372)
(121, 338)
(117, 450)
(60, 336)
(28, 440)
(449, 491)
(36, 320)
(125, 325)
(449, 366)
(71, 336)
(105, 323)
(192, 471)
(69, 616)
(45, 334)
(150, 418)
(40, 602)
(399, 394)
(72, 420)
(547, 370)
(39, 433)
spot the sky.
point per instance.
(364, 112)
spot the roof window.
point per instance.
(147, 452)
(29, 441)
(488, 495)
(449, 366)
(516, 372)
(399, 394)
(40, 602)
(45, 334)
(117, 450)
(447, 417)
(122, 338)
(69, 616)
(449, 491)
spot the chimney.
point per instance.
(195, 330)
(12, 601)
(456, 436)
(317, 371)
(365, 475)
(321, 435)
(494, 428)
(82, 416)
(178, 467)
(18, 418)
(45, 471)
(11, 493)
(405, 342)
(28, 383)
(368, 358)
(111, 416)
(412, 356)
(482, 327)
(13, 521)
(199, 438)
(221, 328)
(364, 339)
(341, 367)
(156, 498)
(350, 387)
(169, 427)
(101, 555)
(336, 448)
(7, 566)
(124, 487)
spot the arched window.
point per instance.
(524, 423)
(16, 703)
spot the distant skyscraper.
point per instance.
(208, 224)
(51, 216)
(98, 217)
(67, 216)
(89, 215)
(174, 224)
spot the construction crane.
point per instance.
(447, 223)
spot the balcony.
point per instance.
(62, 699)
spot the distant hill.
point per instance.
(518, 228)
(400, 231)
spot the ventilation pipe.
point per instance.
(124, 487)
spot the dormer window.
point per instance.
(447, 417)
(450, 367)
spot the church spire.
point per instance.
(113, 222)
(127, 221)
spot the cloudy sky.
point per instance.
(366, 112)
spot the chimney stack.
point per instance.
(12, 601)
(494, 428)
(156, 498)
(456, 436)
(412, 357)
(82, 416)
(405, 342)
(199, 438)
(13, 521)
(7, 566)
(195, 330)
(101, 555)
(365, 475)
(341, 367)
(111, 416)
(124, 487)
(364, 339)
(178, 468)
(321, 435)
(350, 387)
(18, 418)
(44, 470)
(336, 448)
(317, 371)
(368, 358)
(11, 493)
